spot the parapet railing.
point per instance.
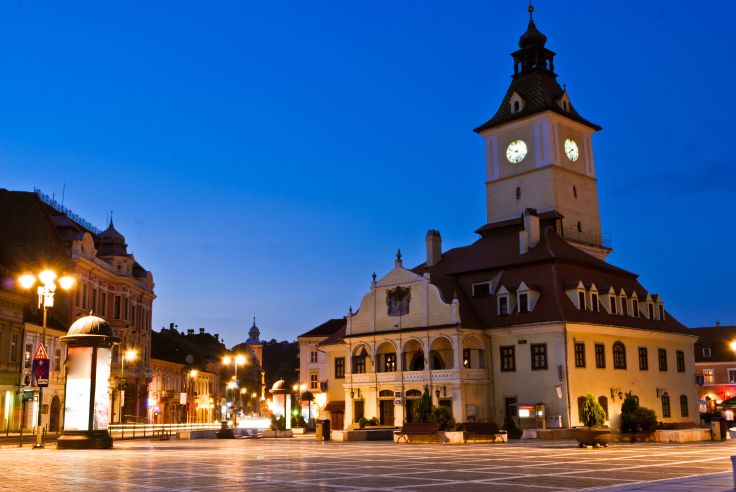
(592, 238)
(156, 431)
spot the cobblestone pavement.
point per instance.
(301, 464)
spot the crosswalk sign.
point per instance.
(40, 353)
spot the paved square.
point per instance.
(301, 464)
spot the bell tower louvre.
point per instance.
(539, 151)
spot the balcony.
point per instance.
(591, 238)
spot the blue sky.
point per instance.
(268, 157)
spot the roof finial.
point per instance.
(254, 319)
(530, 9)
(398, 258)
(374, 277)
(110, 219)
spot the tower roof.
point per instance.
(111, 243)
(253, 334)
(535, 81)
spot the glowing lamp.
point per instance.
(87, 388)
(131, 355)
(66, 282)
(193, 373)
(733, 345)
(226, 360)
(27, 281)
(47, 276)
(240, 360)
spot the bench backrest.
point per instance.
(429, 428)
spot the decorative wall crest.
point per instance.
(398, 300)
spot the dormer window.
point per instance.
(482, 289)
(516, 103)
(503, 305)
(582, 305)
(624, 306)
(524, 303)
(594, 305)
(661, 311)
(613, 300)
(706, 352)
(564, 102)
(635, 308)
(650, 310)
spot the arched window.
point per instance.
(386, 394)
(666, 413)
(581, 403)
(518, 193)
(603, 402)
(619, 356)
(683, 406)
(413, 394)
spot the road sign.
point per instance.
(40, 353)
(40, 372)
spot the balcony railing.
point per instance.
(591, 238)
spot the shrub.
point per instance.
(443, 417)
(510, 427)
(278, 423)
(423, 409)
(362, 422)
(635, 418)
(373, 421)
(592, 412)
(298, 421)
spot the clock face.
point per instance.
(516, 151)
(571, 149)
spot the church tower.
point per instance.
(539, 151)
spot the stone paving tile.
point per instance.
(300, 464)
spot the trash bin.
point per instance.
(318, 431)
(718, 428)
(323, 430)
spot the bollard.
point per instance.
(733, 470)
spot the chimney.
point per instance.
(190, 331)
(434, 247)
(217, 337)
(529, 237)
(171, 326)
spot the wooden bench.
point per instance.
(482, 431)
(432, 431)
(162, 434)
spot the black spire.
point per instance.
(532, 56)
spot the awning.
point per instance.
(335, 406)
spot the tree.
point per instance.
(635, 418)
(423, 410)
(442, 416)
(592, 412)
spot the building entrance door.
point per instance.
(359, 410)
(337, 420)
(387, 412)
(54, 415)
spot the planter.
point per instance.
(595, 437)
(279, 434)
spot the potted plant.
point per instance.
(593, 416)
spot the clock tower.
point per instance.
(539, 151)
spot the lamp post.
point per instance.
(130, 355)
(235, 360)
(45, 293)
(190, 376)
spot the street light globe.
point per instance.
(231, 384)
(47, 276)
(226, 360)
(131, 354)
(193, 373)
(240, 360)
(66, 282)
(254, 394)
(243, 391)
(733, 345)
(26, 281)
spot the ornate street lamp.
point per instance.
(235, 360)
(130, 355)
(45, 292)
(87, 401)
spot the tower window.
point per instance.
(518, 193)
(580, 227)
(574, 192)
(565, 106)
